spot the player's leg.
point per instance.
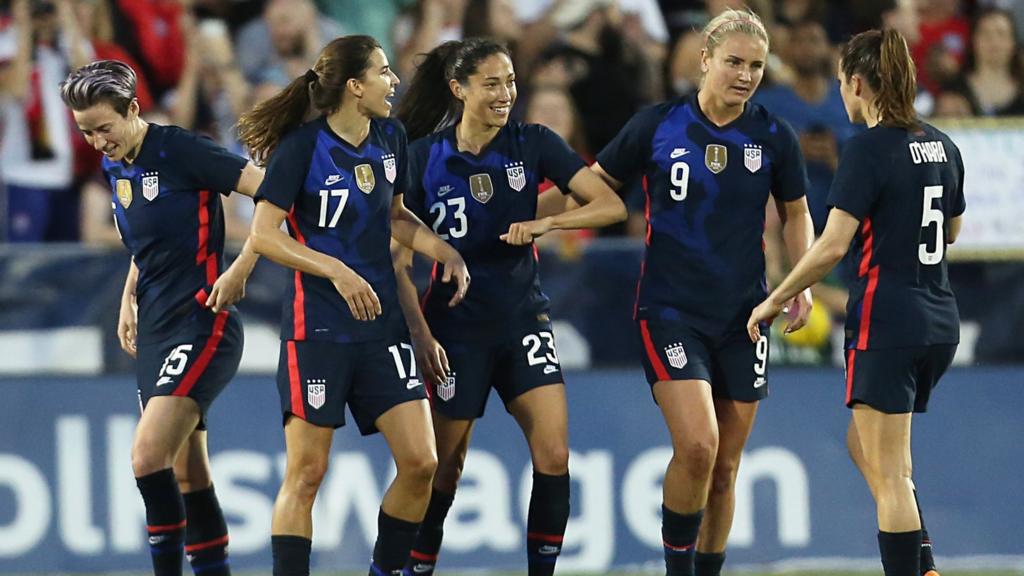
(735, 420)
(206, 532)
(543, 417)
(452, 437)
(165, 424)
(307, 448)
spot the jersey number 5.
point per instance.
(679, 174)
(325, 196)
(931, 215)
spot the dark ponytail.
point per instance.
(320, 90)
(428, 103)
(883, 60)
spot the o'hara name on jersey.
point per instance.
(927, 152)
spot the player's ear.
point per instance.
(133, 109)
(705, 58)
(456, 89)
(856, 80)
(354, 86)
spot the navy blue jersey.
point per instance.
(471, 200)
(707, 187)
(338, 198)
(168, 211)
(904, 186)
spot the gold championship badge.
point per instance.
(716, 157)
(481, 188)
(364, 178)
(124, 192)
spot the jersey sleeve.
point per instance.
(789, 179)
(856, 184)
(959, 205)
(416, 166)
(558, 162)
(625, 156)
(208, 164)
(286, 171)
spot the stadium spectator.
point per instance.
(285, 42)
(993, 78)
(151, 30)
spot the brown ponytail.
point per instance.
(883, 60)
(320, 90)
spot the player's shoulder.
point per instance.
(304, 136)
(424, 144)
(930, 132)
(391, 129)
(775, 125)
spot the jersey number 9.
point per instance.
(931, 215)
(679, 174)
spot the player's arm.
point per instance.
(955, 223)
(412, 233)
(819, 260)
(267, 239)
(430, 356)
(230, 287)
(797, 235)
(127, 320)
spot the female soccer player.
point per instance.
(338, 181)
(709, 160)
(898, 195)
(476, 182)
(176, 314)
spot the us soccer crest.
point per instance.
(446, 389)
(316, 392)
(752, 157)
(716, 157)
(516, 176)
(390, 167)
(481, 188)
(150, 186)
(364, 178)
(123, 188)
(676, 355)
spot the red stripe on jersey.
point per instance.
(294, 382)
(536, 253)
(422, 557)
(851, 358)
(203, 256)
(869, 293)
(165, 527)
(426, 294)
(222, 541)
(553, 538)
(647, 243)
(652, 354)
(299, 302)
(205, 356)
(202, 296)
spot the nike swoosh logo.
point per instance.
(332, 179)
(422, 568)
(550, 369)
(164, 380)
(412, 384)
(678, 152)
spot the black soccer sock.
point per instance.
(165, 521)
(901, 553)
(395, 539)
(545, 522)
(679, 537)
(708, 563)
(291, 555)
(206, 535)
(423, 557)
(927, 559)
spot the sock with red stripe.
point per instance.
(291, 555)
(679, 537)
(901, 553)
(927, 559)
(165, 521)
(708, 563)
(395, 538)
(423, 557)
(545, 522)
(206, 534)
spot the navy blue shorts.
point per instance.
(191, 364)
(896, 380)
(513, 365)
(317, 378)
(735, 367)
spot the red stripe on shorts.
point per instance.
(851, 357)
(295, 384)
(197, 369)
(652, 354)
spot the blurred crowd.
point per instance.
(583, 66)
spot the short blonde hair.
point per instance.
(730, 21)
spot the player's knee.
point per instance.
(193, 480)
(304, 477)
(551, 458)
(697, 457)
(449, 471)
(419, 468)
(148, 457)
(723, 478)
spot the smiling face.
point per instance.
(735, 68)
(107, 131)
(376, 87)
(490, 92)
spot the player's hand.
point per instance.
(799, 309)
(431, 358)
(227, 290)
(455, 268)
(358, 294)
(765, 312)
(521, 233)
(127, 326)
